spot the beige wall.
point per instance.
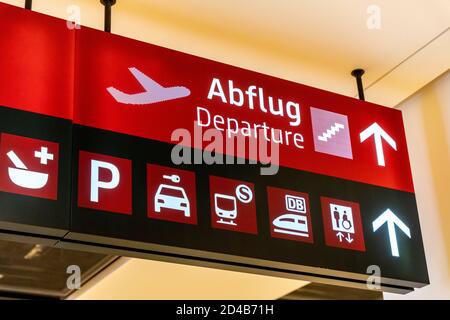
(147, 279)
(427, 123)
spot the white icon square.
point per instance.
(342, 218)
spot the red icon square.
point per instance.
(171, 194)
(342, 223)
(104, 183)
(290, 216)
(29, 166)
(232, 205)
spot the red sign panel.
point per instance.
(290, 215)
(37, 62)
(135, 84)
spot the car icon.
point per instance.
(172, 197)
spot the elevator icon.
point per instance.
(342, 222)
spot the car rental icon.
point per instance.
(172, 197)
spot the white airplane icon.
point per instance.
(154, 92)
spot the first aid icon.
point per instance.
(31, 166)
(21, 176)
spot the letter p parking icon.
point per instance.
(96, 183)
(104, 183)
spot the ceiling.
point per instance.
(35, 270)
(146, 279)
(318, 291)
(314, 42)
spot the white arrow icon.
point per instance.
(377, 132)
(349, 238)
(391, 220)
(340, 235)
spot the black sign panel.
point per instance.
(262, 249)
(35, 162)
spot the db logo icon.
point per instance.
(28, 166)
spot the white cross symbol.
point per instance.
(43, 155)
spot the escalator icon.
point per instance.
(22, 177)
